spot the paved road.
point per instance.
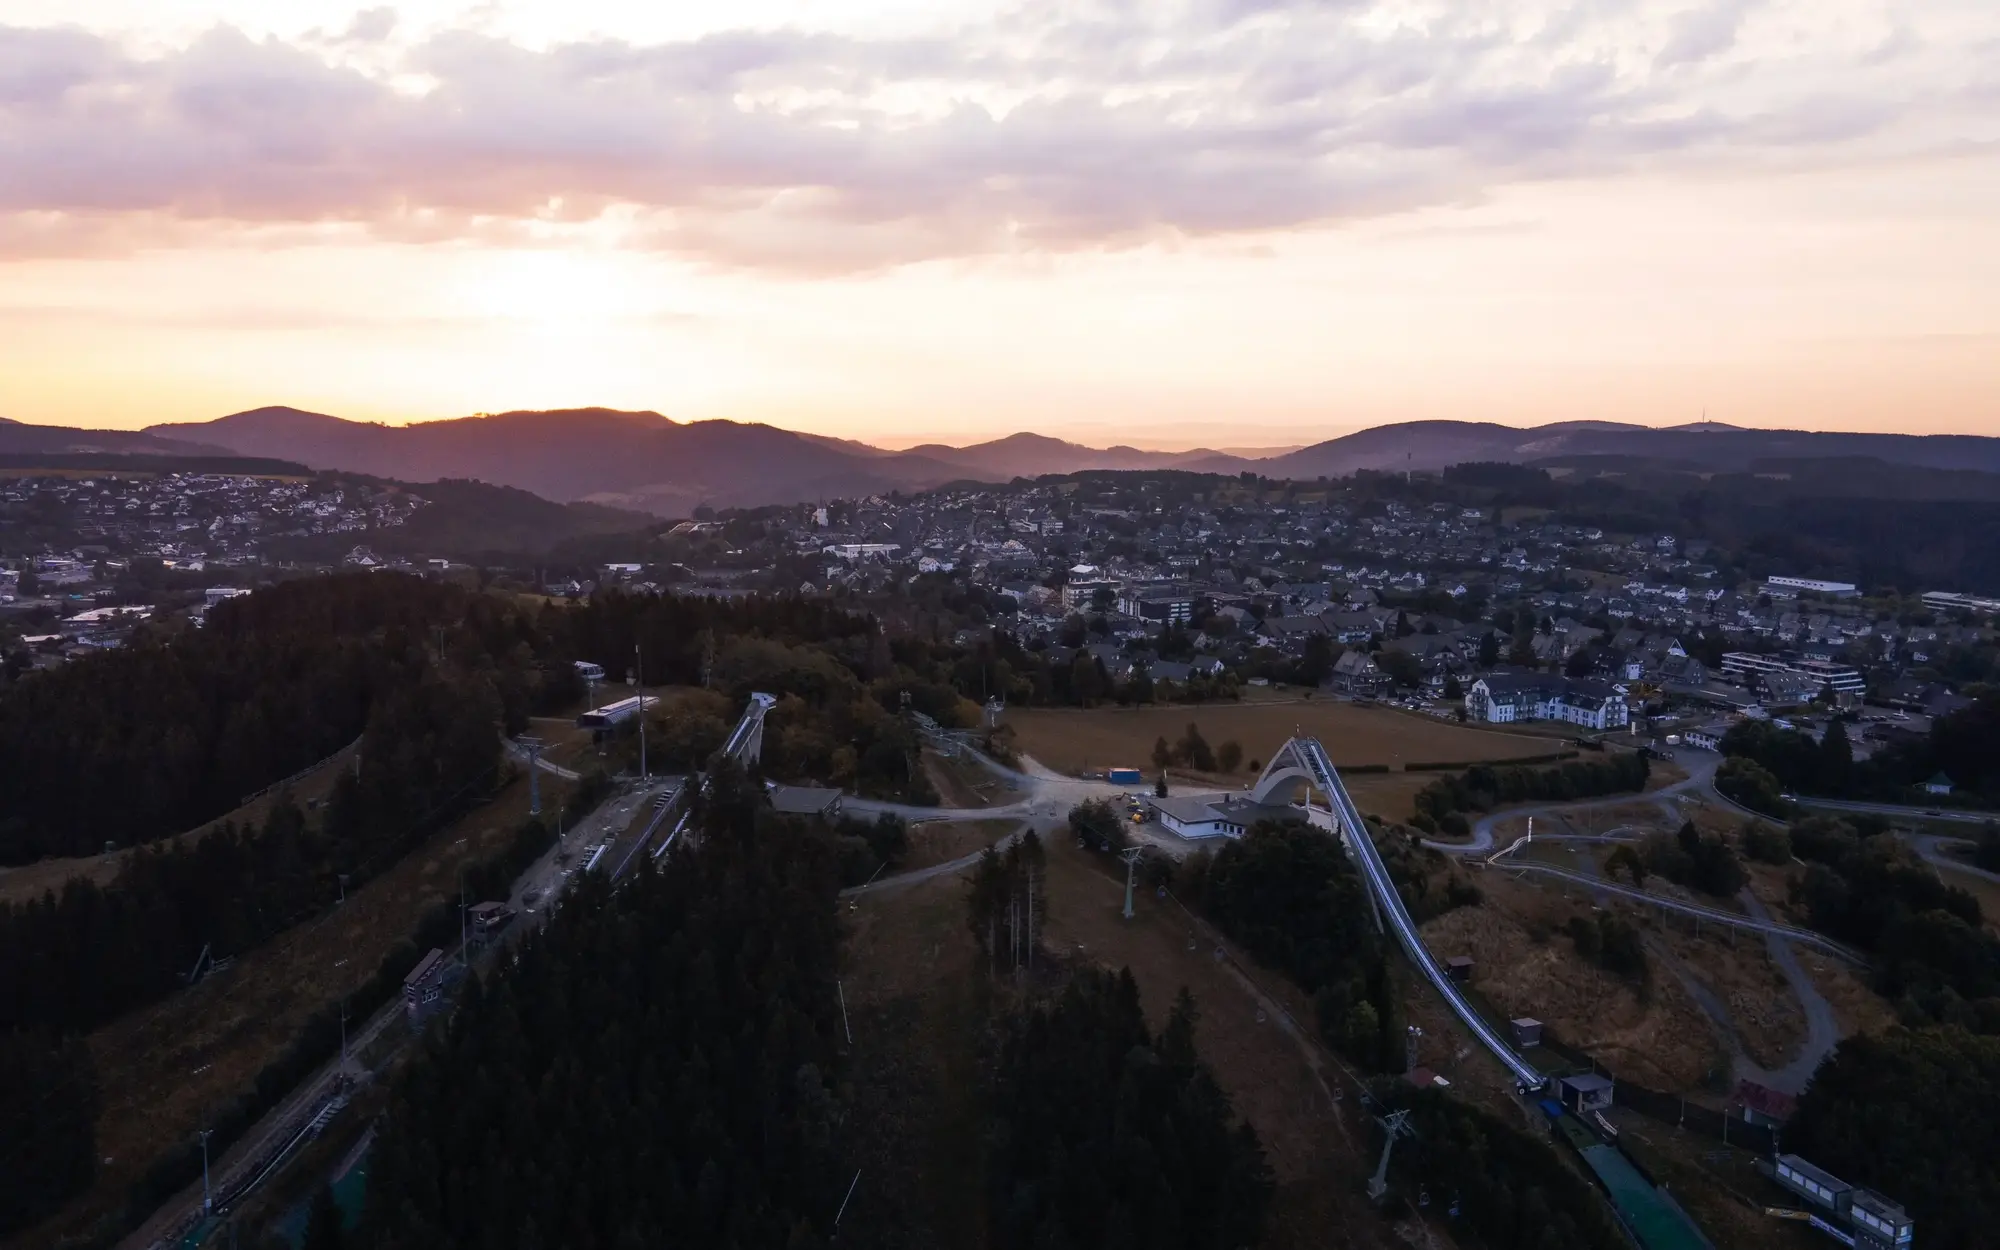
(1733, 919)
(913, 813)
(1698, 784)
(1899, 810)
(1930, 847)
(1044, 795)
(917, 876)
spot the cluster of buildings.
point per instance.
(1404, 596)
(189, 519)
(87, 559)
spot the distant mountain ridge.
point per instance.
(1431, 445)
(645, 461)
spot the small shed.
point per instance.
(489, 918)
(1459, 967)
(1527, 1031)
(1760, 1104)
(1590, 1091)
(425, 984)
(806, 801)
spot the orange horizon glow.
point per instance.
(1210, 223)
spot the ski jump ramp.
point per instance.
(1304, 760)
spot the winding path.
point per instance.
(1822, 1029)
(1699, 783)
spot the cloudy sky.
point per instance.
(1165, 222)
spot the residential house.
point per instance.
(1356, 673)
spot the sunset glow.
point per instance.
(1209, 222)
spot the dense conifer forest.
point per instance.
(155, 738)
(1107, 1137)
(48, 1105)
(659, 1067)
(1512, 1190)
(1291, 897)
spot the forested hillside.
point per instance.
(1294, 900)
(658, 1069)
(1105, 1136)
(175, 729)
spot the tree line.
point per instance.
(1511, 1189)
(91, 952)
(1963, 746)
(1288, 895)
(1441, 805)
(1915, 1115)
(1933, 956)
(48, 1124)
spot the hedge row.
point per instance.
(1452, 766)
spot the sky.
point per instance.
(1169, 223)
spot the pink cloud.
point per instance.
(775, 148)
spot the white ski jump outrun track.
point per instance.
(1304, 759)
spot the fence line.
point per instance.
(300, 775)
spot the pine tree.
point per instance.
(324, 1227)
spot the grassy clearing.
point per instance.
(920, 1057)
(1255, 1031)
(1076, 740)
(960, 783)
(1738, 968)
(1720, 1186)
(33, 880)
(1857, 1008)
(917, 1069)
(941, 841)
(162, 1069)
(1525, 966)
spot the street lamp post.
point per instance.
(207, 1202)
(639, 689)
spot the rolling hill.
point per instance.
(1707, 445)
(18, 438)
(647, 462)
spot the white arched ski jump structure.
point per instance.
(1302, 759)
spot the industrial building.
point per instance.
(611, 715)
(1198, 816)
(1793, 587)
(1839, 678)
